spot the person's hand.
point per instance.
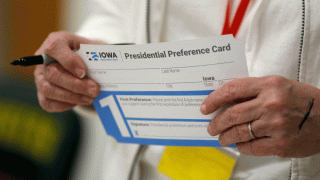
(63, 85)
(284, 116)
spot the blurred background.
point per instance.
(35, 144)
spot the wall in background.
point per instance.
(24, 26)
(4, 38)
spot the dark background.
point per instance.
(24, 150)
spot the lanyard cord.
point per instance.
(233, 29)
(148, 22)
(142, 148)
(140, 151)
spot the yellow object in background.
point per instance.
(35, 144)
(195, 163)
(29, 131)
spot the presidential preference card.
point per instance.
(152, 93)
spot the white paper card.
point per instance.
(151, 93)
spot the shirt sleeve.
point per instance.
(108, 21)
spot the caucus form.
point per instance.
(152, 93)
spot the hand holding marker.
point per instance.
(43, 58)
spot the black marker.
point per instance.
(33, 60)
(43, 58)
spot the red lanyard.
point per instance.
(233, 29)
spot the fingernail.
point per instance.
(92, 91)
(203, 108)
(81, 73)
(87, 99)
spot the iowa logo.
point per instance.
(92, 56)
(103, 56)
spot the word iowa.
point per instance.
(110, 55)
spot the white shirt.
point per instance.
(280, 37)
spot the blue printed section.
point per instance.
(112, 129)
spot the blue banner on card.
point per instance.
(129, 117)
